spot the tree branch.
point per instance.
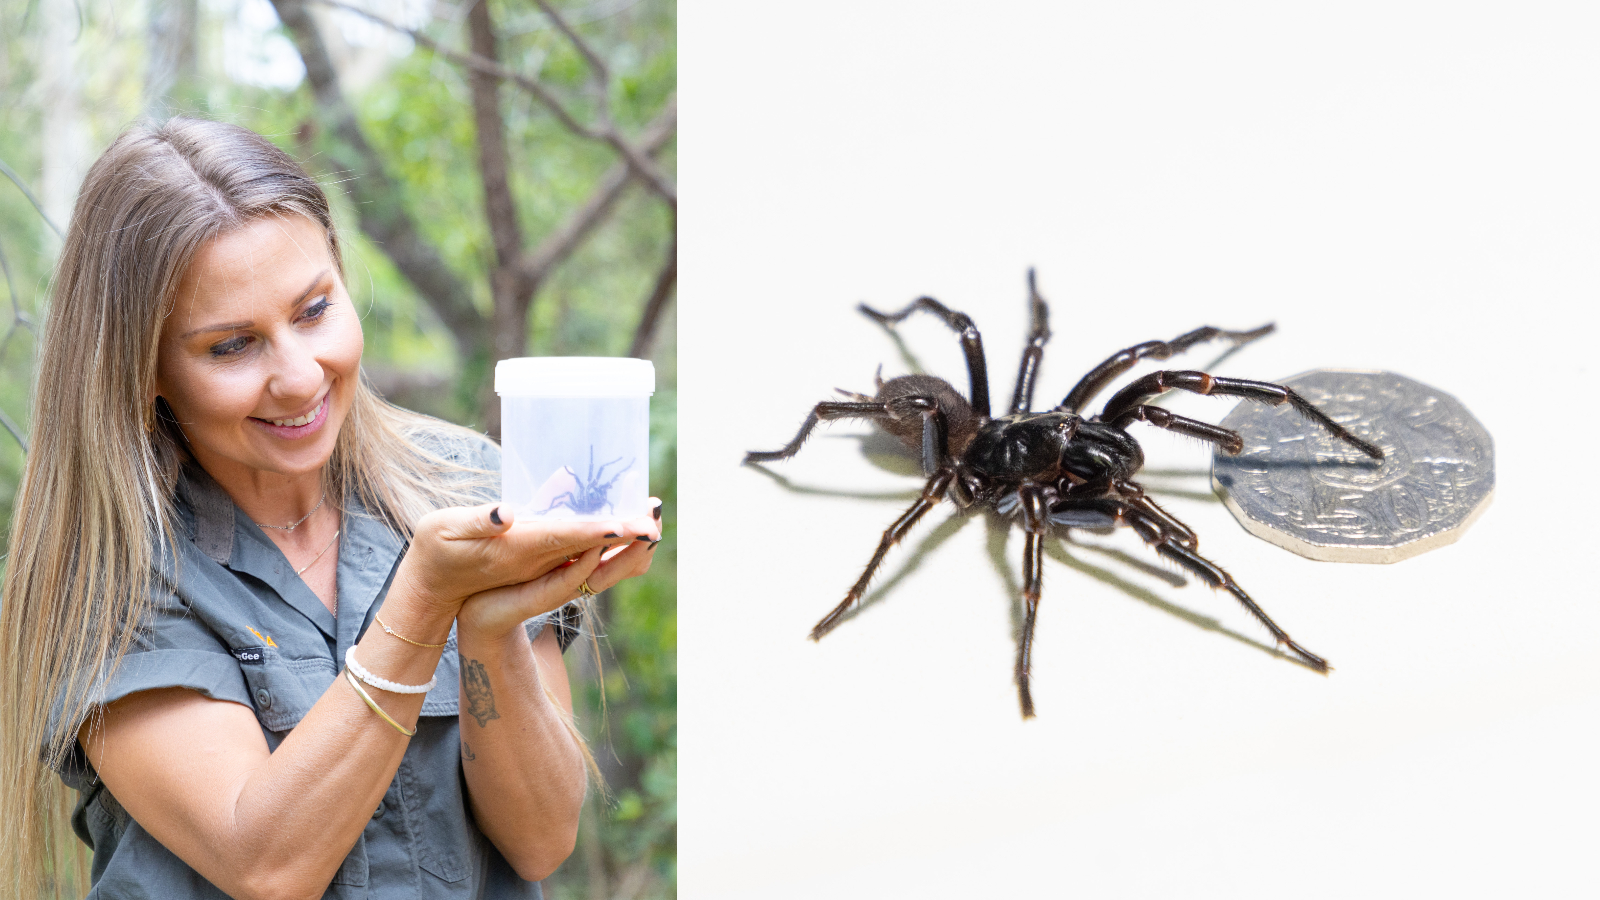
(377, 197)
(643, 168)
(596, 64)
(22, 439)
(492, 154)
(23, 186)
(536, 263)
(666, 279)
(17, 315)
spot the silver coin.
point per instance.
(1304, 490)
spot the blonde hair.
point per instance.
(94, 511)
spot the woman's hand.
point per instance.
(501, 611)
(458, 552)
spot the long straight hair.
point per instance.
(94, 513)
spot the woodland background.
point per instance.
(503, 177)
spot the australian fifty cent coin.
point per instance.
(1297, 486)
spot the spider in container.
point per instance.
(1054, 469)
(588, 497)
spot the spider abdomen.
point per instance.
(960, 421)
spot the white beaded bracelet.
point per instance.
(384, 684)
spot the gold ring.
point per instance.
(584, 590)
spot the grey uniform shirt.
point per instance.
(236, 623)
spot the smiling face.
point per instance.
(260, 354)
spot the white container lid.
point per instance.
(574, 376)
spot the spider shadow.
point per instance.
(999, 536)
(998, 533)
(1167, 482)
(807, 490)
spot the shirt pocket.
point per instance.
(433, 791)
(353, 871)
(283, 690)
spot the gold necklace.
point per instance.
(302, 519)
(302, 571)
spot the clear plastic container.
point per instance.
(575, 436)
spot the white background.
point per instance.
(1402, 186)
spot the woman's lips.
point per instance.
(292, 432)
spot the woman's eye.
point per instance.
(231, 346)
(315, 310)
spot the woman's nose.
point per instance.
(297, 374)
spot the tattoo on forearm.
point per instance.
(466, 752)
(480, 698)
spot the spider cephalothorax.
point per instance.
(1054, 469)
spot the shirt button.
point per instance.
(378, 813)
(263, 698)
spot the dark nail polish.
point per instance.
(642, 537)
(653, 545)
(656, 512)
(494, 516)
(610, 535)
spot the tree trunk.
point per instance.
(173, 54)
(64, 137)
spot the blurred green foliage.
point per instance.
(416, 111)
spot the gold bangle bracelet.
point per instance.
(350, 677)
(390, 631)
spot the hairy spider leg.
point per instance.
(1171, 527)
(826, 411)
(1167, 420)
(1033, 351)
(971, 344)
(1175, 540)
(1123, 360)
(596, 476)
(935, 453)
(571, 502)
(565, 498)
(932, 493)
(1124, 406)
(1035, 521)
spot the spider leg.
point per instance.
(935, 434)
(1035, 520)
(1123, 360)
(570, 499)
(932, 493)
(607, 486)
(1174, 529)
(971, 343)
(1121, 407)
(1167, 420)
(1169, 541)
(1022, 399)
(827, 410)
(596, 476)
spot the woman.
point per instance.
(236, 573)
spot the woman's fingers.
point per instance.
(461, 551)
(466, 523)
(498, 612)
(629, 563)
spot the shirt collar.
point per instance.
(368, 551)
(213, 511)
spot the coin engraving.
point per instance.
(1295, 486)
